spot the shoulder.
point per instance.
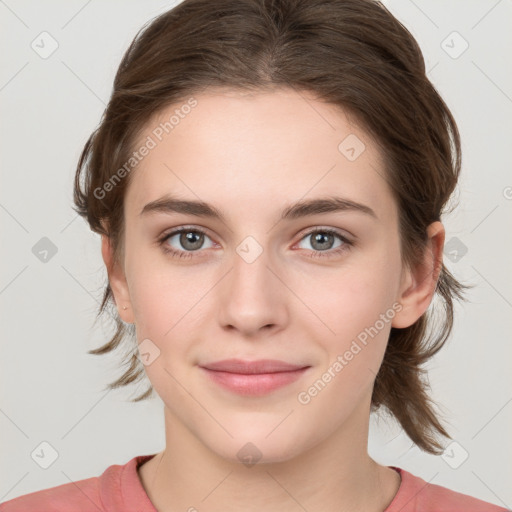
(97, 494)
(415, 494)
(71, 497)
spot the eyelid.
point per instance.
(184, 228)
(340, 232)
(347, 241)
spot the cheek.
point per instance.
(164, 309)
(357, 308)
(165, 304)
(346, 300)
(160, 290)
(353, 308)
(171, 305)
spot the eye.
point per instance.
(190, 239)
(322, 240)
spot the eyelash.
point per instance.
(315, 254)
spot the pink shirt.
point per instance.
(119, 489)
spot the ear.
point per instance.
(418, 285)
(117, 281)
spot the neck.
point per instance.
(336, 474)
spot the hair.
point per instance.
(353, 54)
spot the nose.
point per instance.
(252, 297)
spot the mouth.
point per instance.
(253, 378)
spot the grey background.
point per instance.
(53, 391)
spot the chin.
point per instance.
(257, 448)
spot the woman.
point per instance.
(268, 181)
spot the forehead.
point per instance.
(263, 149)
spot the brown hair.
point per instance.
(351, 53)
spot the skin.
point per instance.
(251, 155)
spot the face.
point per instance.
(317, 288)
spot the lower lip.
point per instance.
(254, 384)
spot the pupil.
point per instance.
(193, 238)
(321, 238)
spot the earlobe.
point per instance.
(419, 284)
(117, 281)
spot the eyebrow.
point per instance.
(170, 204)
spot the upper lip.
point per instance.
(252, 367)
